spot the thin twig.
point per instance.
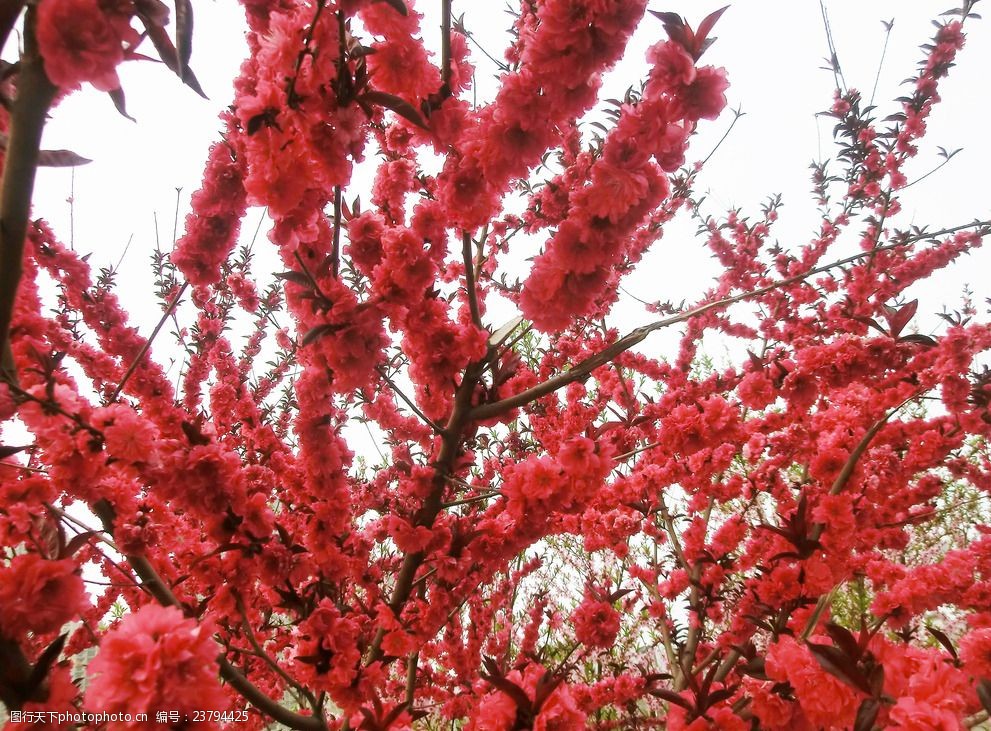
(144, 348)
(335, 253)
(737, 113)
(175, 218)
(834, 59)
(476, 316)
(270, 661)
(423, 417)
(884, 50)
(476, 499)
(844, 476)
(445, 44)
(582, 370)
(935, 169)
(154, 584)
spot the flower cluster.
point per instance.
(84, 41)
(626, 182)
(39, 595)
(156, 660)
(401, 511)
(213, 223)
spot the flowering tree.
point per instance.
(561, 531)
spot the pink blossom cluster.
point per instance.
(626, 182)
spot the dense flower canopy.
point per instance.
(557, 529)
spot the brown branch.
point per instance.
(260, 653)
(10, 10)
(976, 720)
(844, 476)
(336, 251)
(582, 370)
(406, 399)
(155, 586)
(432, 506)
(27, 120)
(144, 348)
(470, 286)
(696, 604)
(14, 676)
(445, 44)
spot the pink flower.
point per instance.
(495, 712)
(38, 595)
(706, 96)
(671, 68)
(156, 659)
(560, 713)
(127, 435)
(80, 41)
(975, 651)
(827, 701)
(911, 715)
(596, 623)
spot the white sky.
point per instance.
(772, 49)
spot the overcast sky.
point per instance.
(772, 50)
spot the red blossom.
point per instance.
(156, 660)
(38, 595)
(84, 41)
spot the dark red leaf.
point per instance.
(836, 663)
(945, 641)
(918, 338)
(60, 159)
(984, 693)
(844, 639)
(296, 278)
(708, 22)
(669, 19)
(718, 696)
(545, 686)
(117, 96)
(77, 542)
(899, 317)
(6, 451)
(671, 697)
(45, 662)
(310, 659)
(618, 594)
(183, 35)
(398, 5)
(394, 714)
(266, 118)
(154, 11)
(755, 669)
(510, 688)
(170, 56)
(867, 714)
(397, 104)
(315, 333)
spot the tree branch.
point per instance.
(27, 120)
(844, 476)
(460, 416)
(155, 586)
(582, 370)
(470, 286)
(445, 44)
(413, 407)
(144, 348)
(336, 251)
(259, 652)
